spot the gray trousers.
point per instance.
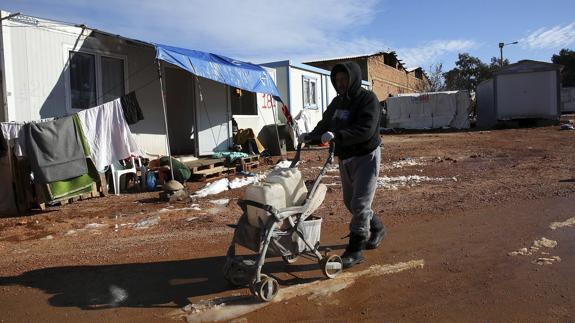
(359, 181)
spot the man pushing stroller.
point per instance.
(352, 121)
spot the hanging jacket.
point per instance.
(353, 117)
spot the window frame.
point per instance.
(99, 78)
(231, 89)
(310, 80)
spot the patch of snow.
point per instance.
(541, 261)
(394, 183)
(537, 244)
(213, 188)
(144, 224)
(220, 202)
(567, 223)
(284, 164)
(95, 226)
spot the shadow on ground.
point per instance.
(158, 284)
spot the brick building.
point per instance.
(385, 72)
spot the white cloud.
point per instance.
(432, 52)
(256, 30)
(253, 30)
(550, 38)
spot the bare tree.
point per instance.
(436, 79)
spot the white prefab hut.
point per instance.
(524, 90)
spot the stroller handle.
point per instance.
(314, 139)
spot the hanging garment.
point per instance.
(131, 108)
(108, 134)
(13, 131)
(54, 150)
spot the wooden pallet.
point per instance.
(212, 173)
(249, 163)
(203, 164)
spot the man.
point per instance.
(181, 172)
(352, 121)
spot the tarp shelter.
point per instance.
(429, 110)
(524, 90)
(246, 76)
(221, 69)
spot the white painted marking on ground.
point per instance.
(227, 308)
(567, 223)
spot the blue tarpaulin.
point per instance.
(245, 76)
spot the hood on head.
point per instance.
(354, 72)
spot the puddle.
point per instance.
(228, 308)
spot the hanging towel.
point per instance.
(54, 150)
(107, 133)
(131, 108)
(74, 186)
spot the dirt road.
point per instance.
(459, 209)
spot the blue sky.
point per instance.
(421, 32)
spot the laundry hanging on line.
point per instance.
(131, 107)
(54, 150)
(108, 134)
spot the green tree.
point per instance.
(566, 58)
(495, 64)
(468, 72)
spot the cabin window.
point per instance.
(112, 78)
(95, 79)
(243, 102)
(83, 80)
(309, 92)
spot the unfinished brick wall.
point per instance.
(385, 79)
(328, 65)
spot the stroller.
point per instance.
(287, 232)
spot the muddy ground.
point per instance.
(459, 208)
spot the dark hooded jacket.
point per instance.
(353, 118)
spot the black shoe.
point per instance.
(353, 254)
(377, 233)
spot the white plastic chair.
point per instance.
(117, 170)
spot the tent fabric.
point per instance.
(429, 110)
(245, 76)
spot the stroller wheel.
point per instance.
(331, 266)
(253, 284)
(266, 289)
(290, 259)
